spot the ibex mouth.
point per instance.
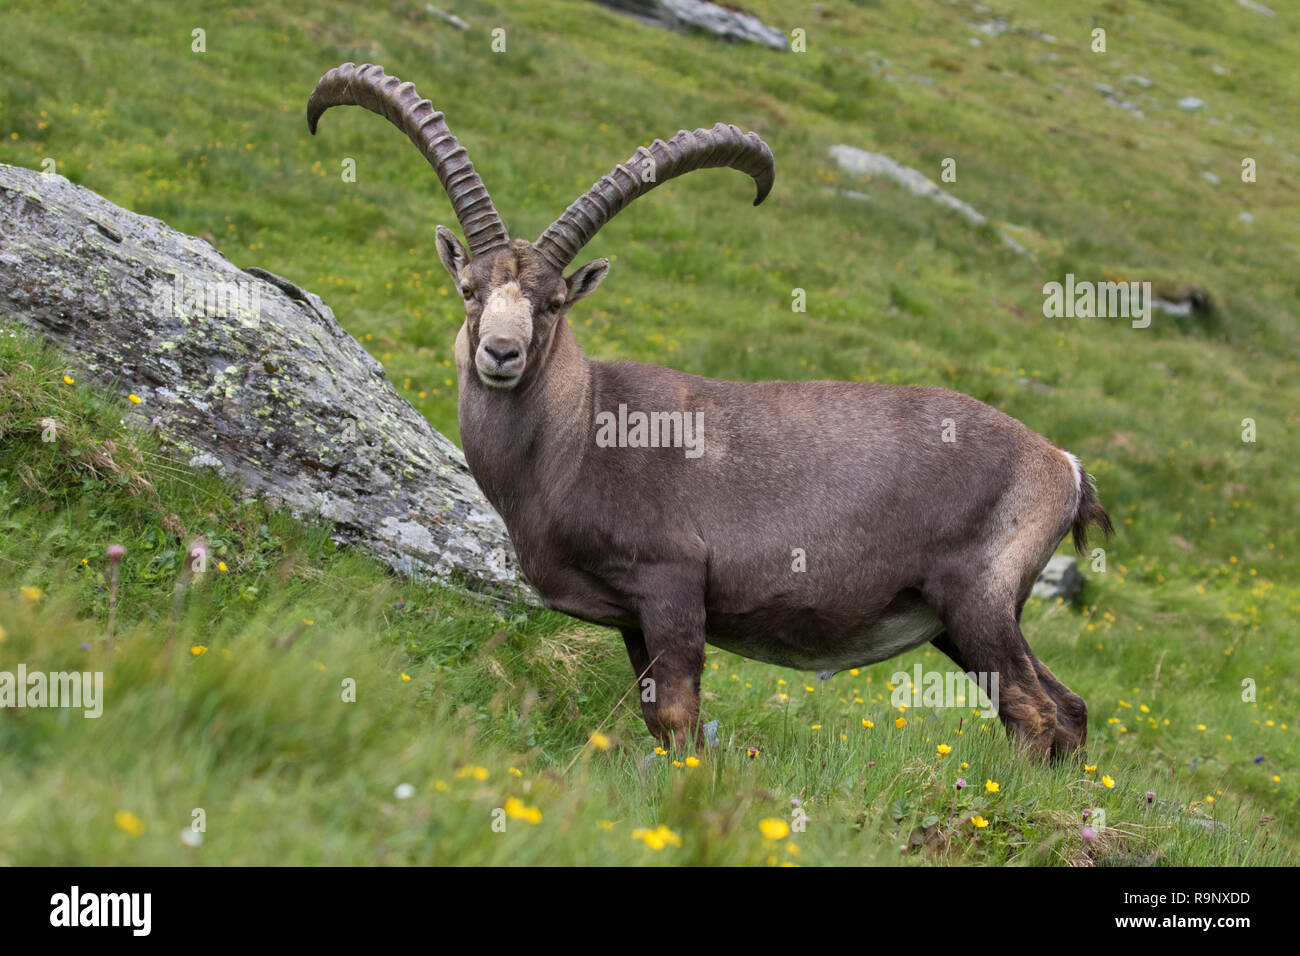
(501, 380)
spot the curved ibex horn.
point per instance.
(724, 145)
(369, 86)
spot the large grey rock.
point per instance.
(699, 15)
(248, 373)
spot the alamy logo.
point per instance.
(185, 299)
(946, 689)
(651, 430)
(75, 689)
(103, 909)
(1098, 300)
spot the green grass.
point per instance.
(1200, 591)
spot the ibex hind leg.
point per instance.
(1071, 710)
(984, 614)
(1071, 715)
(944, 643)
(983, 636)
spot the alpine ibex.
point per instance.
(922, 514)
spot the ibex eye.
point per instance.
(466, 291)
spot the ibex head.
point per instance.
(514, 299)
(515, 291)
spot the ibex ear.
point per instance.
(452, 252)
(583, 282)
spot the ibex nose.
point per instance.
(501, 354)
(500, 360)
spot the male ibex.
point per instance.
(922, 514)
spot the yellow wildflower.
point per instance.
(516, 810)
(128, 821)
(657, 838)
(773, 828)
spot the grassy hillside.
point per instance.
(222, 695)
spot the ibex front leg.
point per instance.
(634, 639)
(667, 654)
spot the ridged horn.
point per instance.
(370, 87)
(724, 145)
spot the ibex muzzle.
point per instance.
(922, 514)
(505, 332)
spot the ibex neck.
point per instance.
(530, 440)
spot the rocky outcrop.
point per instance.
(248, 373)
(860, 162)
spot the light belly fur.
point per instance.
(888, 637)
